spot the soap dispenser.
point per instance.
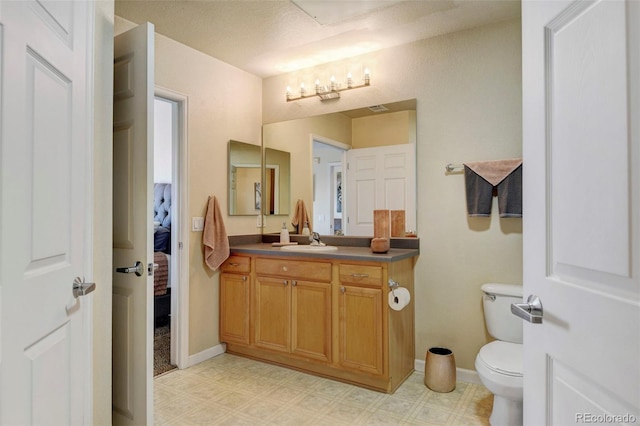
(305, 229)
(284, 234)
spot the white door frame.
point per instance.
(344, 147)
(179, 244)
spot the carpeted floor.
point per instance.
(162, 350)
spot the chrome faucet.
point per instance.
(315, 239)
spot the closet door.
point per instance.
(380, 178)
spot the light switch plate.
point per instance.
(197, 224)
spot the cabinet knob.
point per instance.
(244, 278)
(294, 283)
(284, 269)
(342, 290)
(285, 282)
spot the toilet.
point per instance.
(499, 363)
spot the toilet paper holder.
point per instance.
(393, 285)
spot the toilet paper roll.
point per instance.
(399, 298)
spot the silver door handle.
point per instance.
(135, 269)
(81, 288)
(530, 311)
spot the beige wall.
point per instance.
(223, 104)
(468, 90)
(384, 129)
(295, 137)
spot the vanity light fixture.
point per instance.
(332, 91)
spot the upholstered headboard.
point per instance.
(162, 217)
(162, 204)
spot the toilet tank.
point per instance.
(496, 301)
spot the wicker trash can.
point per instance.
(440, 370)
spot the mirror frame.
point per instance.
(256, 191)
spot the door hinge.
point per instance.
(180, 245)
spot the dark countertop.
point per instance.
(342, 253)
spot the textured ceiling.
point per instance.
(271, 37)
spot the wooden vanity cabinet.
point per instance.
(325, 316)
(235, 299)
(293, 313)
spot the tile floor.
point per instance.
(230, 390)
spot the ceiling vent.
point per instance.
(332, 12)
(378, 108)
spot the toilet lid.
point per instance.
(502, 357)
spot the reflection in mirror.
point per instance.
(277, 172)
(323, 182)
(245, 188)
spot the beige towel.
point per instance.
(494, 172)
(214, 237)
(300, 216)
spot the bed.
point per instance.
(162, 252)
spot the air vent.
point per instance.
(378, 108)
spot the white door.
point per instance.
(581, 82)
(380, 178)
(133, 226)
(45, 212)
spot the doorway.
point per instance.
(170, 308)
(328, 186)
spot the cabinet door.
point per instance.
(311, 320)
(272, 320)
(234, 308)
(361, 329)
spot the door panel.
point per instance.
(360, 329)
(311, 320)
(234, 308)
(132, 226)
(582, 212)
(273, 307)
(45, 220)
(380, 178)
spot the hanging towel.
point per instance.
(214, 237)
(480, 179)
(300, 216)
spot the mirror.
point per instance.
(245, 184)
(277, 173)
(389, 124)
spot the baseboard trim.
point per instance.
(206, 354)
(462, 374)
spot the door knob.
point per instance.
(135, 269)
(530, 311)
(81, 288)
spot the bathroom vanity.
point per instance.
(325, 313)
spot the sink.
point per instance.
(309, 248)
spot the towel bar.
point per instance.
(452, 167)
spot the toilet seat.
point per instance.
(502, 358)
